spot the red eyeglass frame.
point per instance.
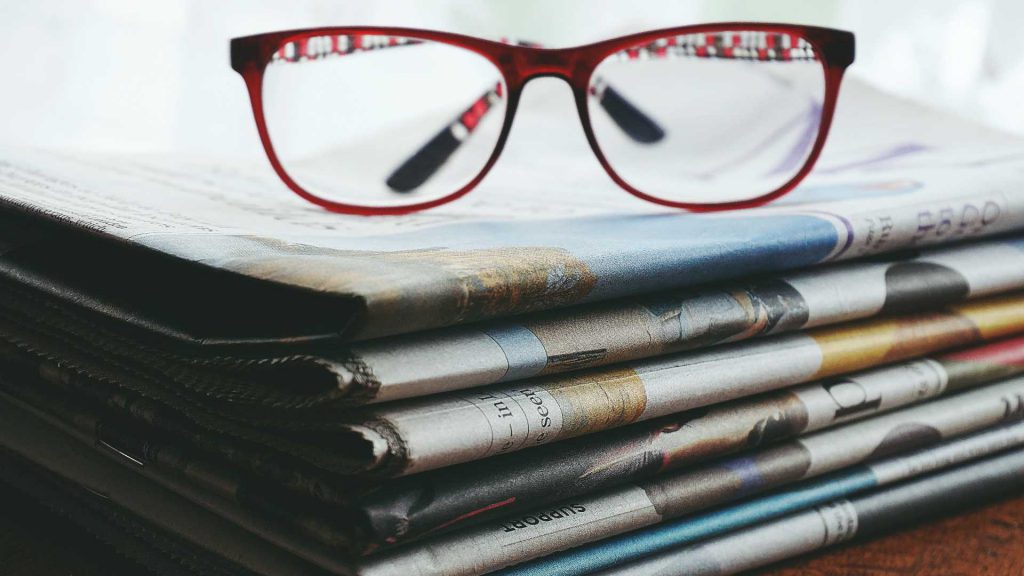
(520, 64)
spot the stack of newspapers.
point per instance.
(215, 378)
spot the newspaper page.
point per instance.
(893, 176)
(461, 495)
(670, 535)
(574, 522)
(600, 334)
(435, 431)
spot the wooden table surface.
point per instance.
(986, 541)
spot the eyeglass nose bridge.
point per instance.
(565, 63)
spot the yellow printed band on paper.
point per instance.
(592, 402)
(875, 342)
(995, 317)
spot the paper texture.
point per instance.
(515, 436)
(636, 545)
(481, 491)
(839, 521)
(595, 335)
(915, 179)
(432, 432)
(480, 549)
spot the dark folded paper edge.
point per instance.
(212, 308)
(132, 542)
(277, 545)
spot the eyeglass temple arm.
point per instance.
(426, 161)
(435, 152)
(419, 167)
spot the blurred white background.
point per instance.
(153, 75)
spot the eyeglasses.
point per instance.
(368, 120)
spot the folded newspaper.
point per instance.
(256, 386)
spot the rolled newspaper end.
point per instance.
(443, 430)
(592, 335)
(480, 491)
(634, 546)
(840, 521)
(364, 444)
(498, 544)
